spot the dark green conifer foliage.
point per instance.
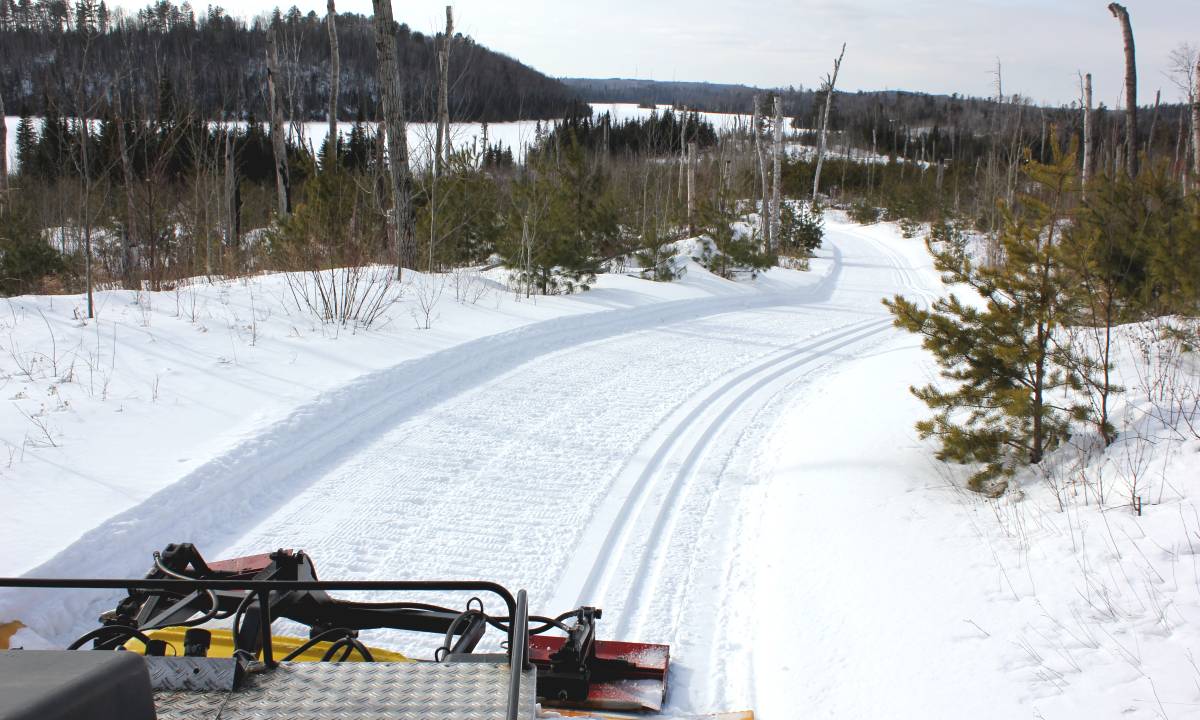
(1003, 400)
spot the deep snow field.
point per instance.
(727, 467)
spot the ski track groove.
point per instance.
(653, 585)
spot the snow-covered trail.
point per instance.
(599, 473)
(598, 459)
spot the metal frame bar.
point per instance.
(518, 607)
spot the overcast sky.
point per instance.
(940, 46)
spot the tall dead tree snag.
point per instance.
(335, 77)
(278, 144)
(1131, 151)
(1086, 102)
(760, 152)
(776, 178)
(691, 188)
(129, 237)
(442, 146)
(830, 84)
(683, 150)
(400, 218)
(3, 156)
(230, 216)
(1196, 127)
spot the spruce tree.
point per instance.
(1002, 403)
(27, 144)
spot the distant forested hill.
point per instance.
(214, 64)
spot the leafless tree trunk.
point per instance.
(128, 238)
(1153, 124)
(760, 151)
(683, 150)
(397, 136)
(1087, 130)
(1131, 149)
(282, 181)
(776, 179)
(230, 219)
(691, 188)
(85, 175)
(335, 78)
(1196, 126)
(442, 147)
(3, 156)
(830, 84)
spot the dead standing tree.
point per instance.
(760, 151)
(830, 84)
(400, 218)
(3, 156)
(278, 146)
(335, 76)
(776, 179)
(442, 142)
(1086, 102)
(129, 238)
(1196, 127)
(1131, 128)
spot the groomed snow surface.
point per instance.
(729, 468)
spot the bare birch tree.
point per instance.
(830, 85)
(442, 146)
(3, 155)
(400, 217)
(1131, 150)
(691, 188)
(683, 150)
(231, 210)
(1086, 104)
(776, 176)
(1196, 125)
(335, 78)
(760, 152)
(278, 146)
(129, 237)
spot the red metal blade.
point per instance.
(642, 687)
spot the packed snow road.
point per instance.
(591, 460)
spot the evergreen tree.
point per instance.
(1002, 404)
(25, 257)
(27, 142)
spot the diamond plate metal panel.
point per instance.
(192, 674)
(362, 691)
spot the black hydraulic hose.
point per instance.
(449, 639)
(334, 648)
(214, 606)
(547, 624)
(237, 626)
(362, 650)
(111, 629)
(342, 634)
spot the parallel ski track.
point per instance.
(677, 434)
(684, 441)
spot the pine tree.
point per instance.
(1001, 405)
(27, 142)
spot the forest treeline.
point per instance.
(62, 54)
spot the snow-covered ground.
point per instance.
(727, 467)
